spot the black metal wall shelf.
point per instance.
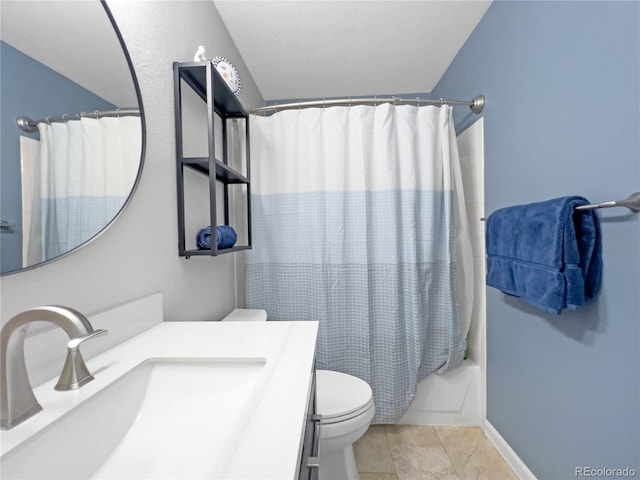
(196, 76)
(209, 252)
(204, 80)
(223, 172)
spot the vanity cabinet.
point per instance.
(215, 122)
(309, 467)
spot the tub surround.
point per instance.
(269, 445)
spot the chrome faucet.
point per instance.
(17, 400)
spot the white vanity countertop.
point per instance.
(268, 447)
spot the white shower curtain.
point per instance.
(354, 212)
(88, 168)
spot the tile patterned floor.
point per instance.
(412, 452)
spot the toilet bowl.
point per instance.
(346, 405)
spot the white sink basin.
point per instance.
(165, 418)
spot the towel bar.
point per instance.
(4, 225)
(632, 203)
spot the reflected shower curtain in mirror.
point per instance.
(88, 168)
(353, 212)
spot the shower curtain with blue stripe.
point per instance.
(353, 214)
(87, 170)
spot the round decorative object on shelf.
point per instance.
(229, 73)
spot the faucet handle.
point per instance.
(75, 372)
(74, 343)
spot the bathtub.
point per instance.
(453, 398)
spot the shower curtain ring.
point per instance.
(442, 101)
(394, 101)
(417, 101)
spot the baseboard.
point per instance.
(514, 461)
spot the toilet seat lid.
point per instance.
(339, 394)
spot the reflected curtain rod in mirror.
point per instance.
(28, 125)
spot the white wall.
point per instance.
(138, 255)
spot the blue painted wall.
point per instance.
(28, 88)
(562, 81)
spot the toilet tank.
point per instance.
(246, 315)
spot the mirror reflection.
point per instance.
(72, 166)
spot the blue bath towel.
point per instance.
(545, 253)
(226, 237)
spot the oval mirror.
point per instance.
(72, 161)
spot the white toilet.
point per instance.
(346, 405)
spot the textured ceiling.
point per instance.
(315, 49)
(293, 49)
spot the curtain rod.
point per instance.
(28, 125)
(476, 105)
